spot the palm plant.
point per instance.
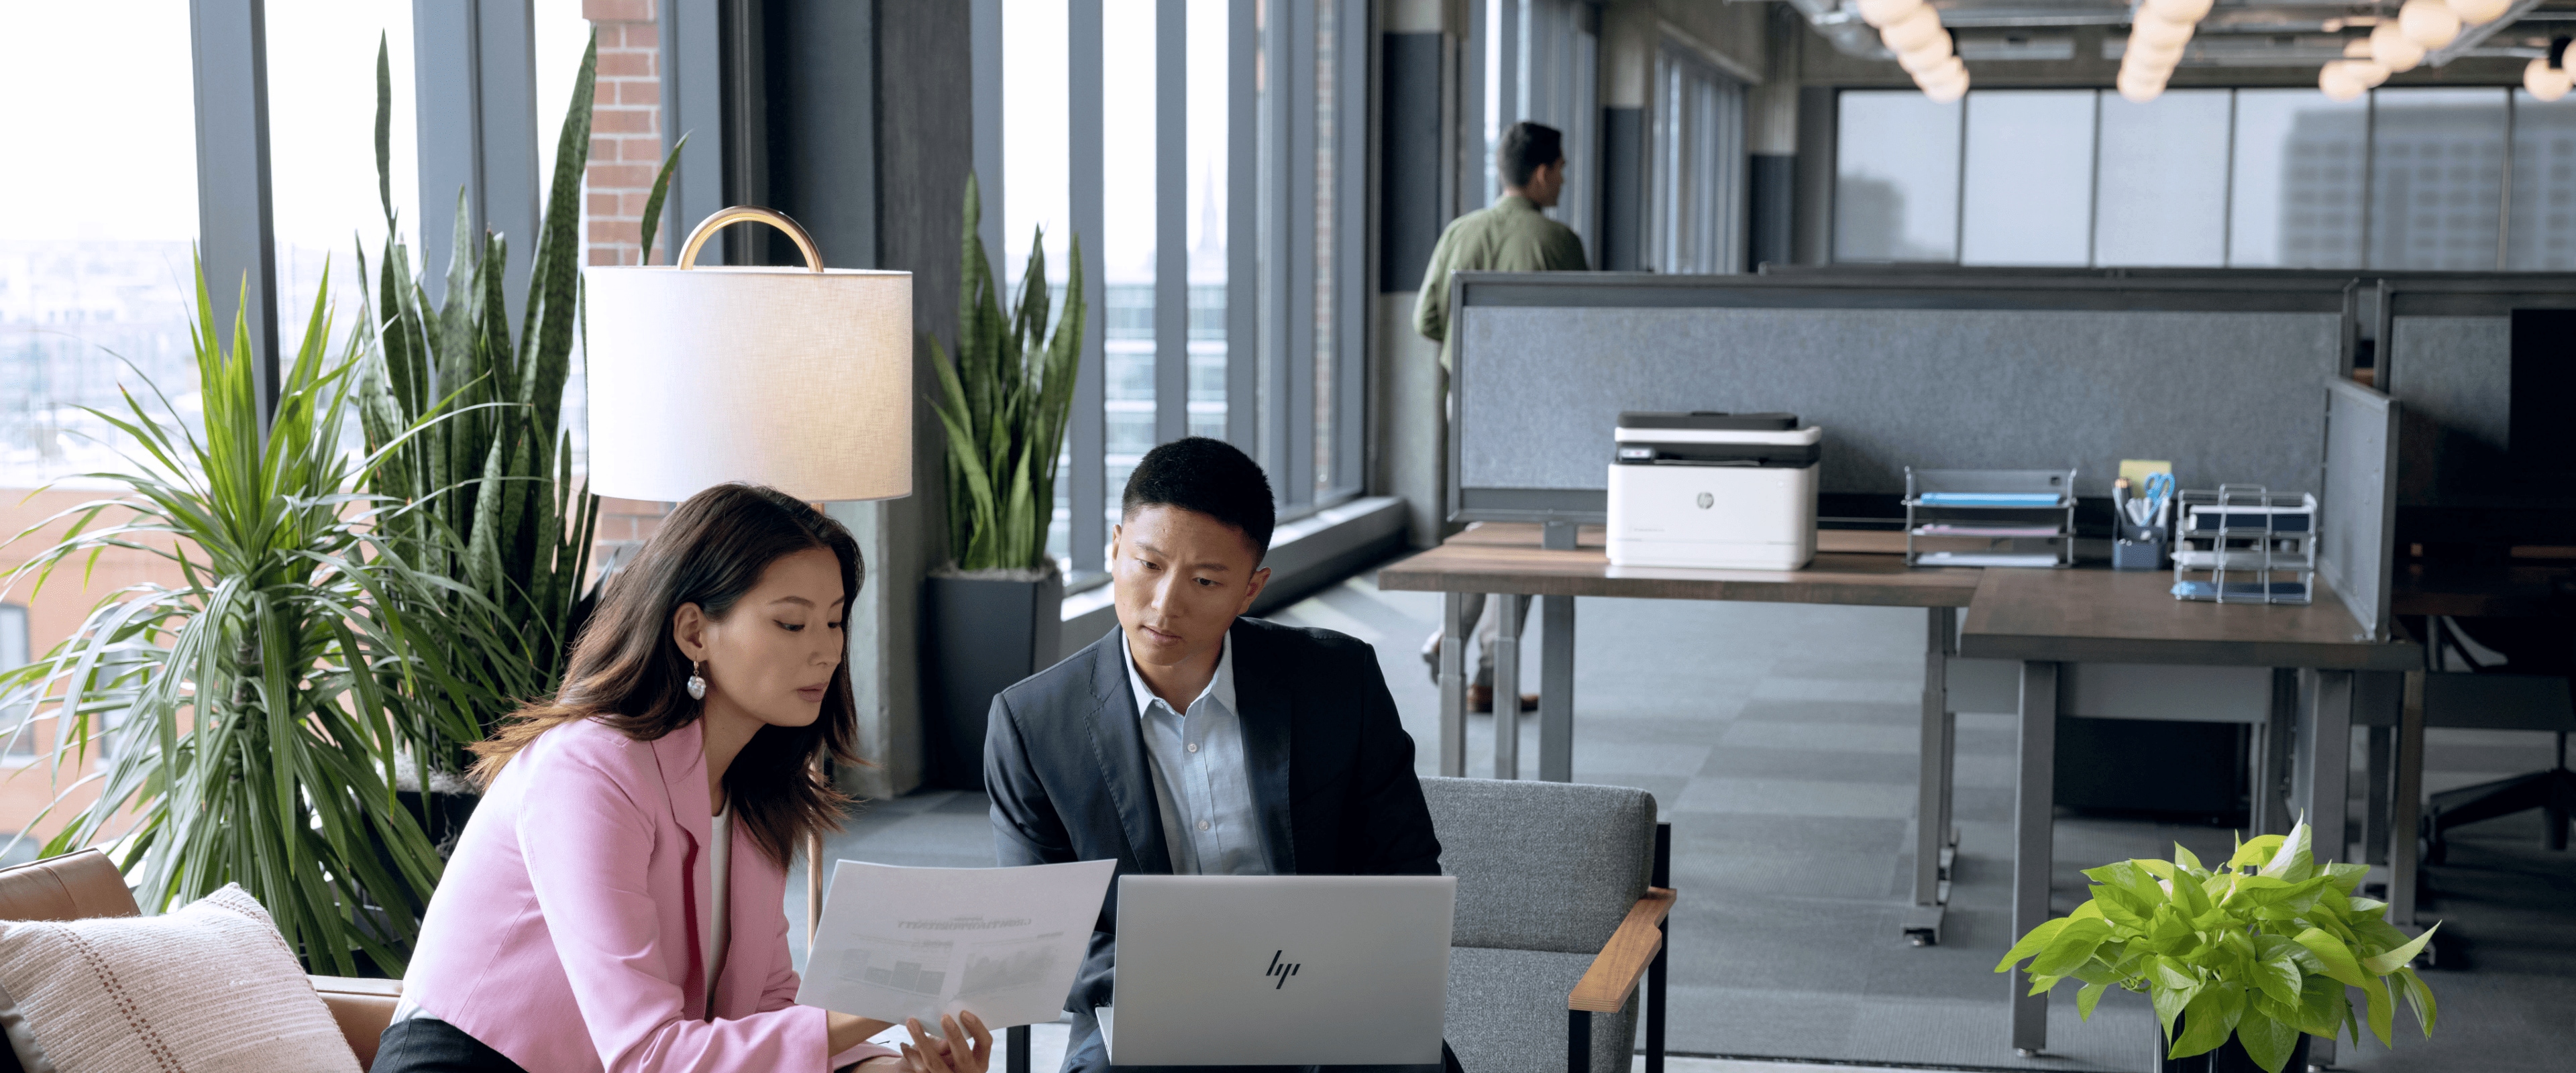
(1003, 401)
(247, 717)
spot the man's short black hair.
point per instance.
(1526, 148)
(1211, 477)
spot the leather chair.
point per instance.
(82, 885)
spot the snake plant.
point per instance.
(1003, 402)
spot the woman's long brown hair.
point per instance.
(627, 671)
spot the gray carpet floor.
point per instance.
(1780, 741)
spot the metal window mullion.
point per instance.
(1472, 150)
(1084, 159)
(984, 36)
(692, 33)
(1294, 471)
(1243, 228)
(1351, 244)
(1171, 222)
(235, 227)
(1277, 102)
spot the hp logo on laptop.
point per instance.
(1282, 970)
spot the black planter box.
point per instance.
(978, 637)
(2229, 1057)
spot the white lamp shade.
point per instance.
(1882, 12)
(2546, 82)
(2162, 60)
(2475, 12)
(2183, 11)
(2338, 83)
(2392, 49)
(2429, 22)
(1912, 32)
(1949, 91)
(799, 380)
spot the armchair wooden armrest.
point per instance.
(362, 1007)
(1623, 960)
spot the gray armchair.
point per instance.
(1562, 894)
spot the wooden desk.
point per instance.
(2048, 619)
(1500, 558)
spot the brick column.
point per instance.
(626, 131)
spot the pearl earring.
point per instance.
(697, 681)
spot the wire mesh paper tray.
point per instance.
(2245, 543)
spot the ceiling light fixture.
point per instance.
(1880, 13)
(2429, 23)
(2392, 49)
(2478, 12)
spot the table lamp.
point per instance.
(799, 379)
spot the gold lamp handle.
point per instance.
(708, 227)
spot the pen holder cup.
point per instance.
(2138, 547)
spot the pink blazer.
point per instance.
(566, 930)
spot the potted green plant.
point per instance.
(991, 616)
(248, 719)
(2243, 962)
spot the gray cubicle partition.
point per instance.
(2450, 361)
(2218, 377)
(2357, 530)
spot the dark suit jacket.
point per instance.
(1331, 770)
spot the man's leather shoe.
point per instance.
(1481, 699)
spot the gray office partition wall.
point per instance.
(2045, 373)
(2357, 527)
(2449, 359)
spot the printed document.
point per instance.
(921, 942)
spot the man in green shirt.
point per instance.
(1511, 235)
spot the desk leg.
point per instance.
(1555, 689)
(2406, 817)
(2326, 739)
(1453, 684)
(1935, 839)
(1507, 685)
(2034, 829)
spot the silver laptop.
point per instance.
(1280, 970)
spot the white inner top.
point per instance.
(719, 874)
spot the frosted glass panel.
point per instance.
(2029, 179)
(2543, 234)
(2298, 180)
(1896, 181)
(2163, 190)
(2437, 178)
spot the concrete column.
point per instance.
(1627, 85)
(1417, 132)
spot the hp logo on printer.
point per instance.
(1280, 969)
(1706, 500)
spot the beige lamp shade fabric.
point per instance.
(795, 379)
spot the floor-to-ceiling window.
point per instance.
(1698, 170)
(94, 249)
(1158, 92)
(2435, 178)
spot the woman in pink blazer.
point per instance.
(616, 901)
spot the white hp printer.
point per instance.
(1702, 489)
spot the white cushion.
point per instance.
(210, 988)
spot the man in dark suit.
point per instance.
(1193, 741)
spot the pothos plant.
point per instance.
(2264, 947)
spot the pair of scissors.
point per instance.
(2158, 489)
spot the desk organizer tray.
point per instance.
(2025, 517)
(2245, 544)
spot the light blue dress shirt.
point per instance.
(1200, 783)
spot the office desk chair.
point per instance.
(2529, 690)
(1563, 890)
